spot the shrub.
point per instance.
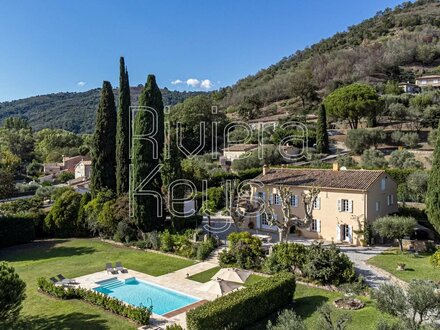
(152, 240)
(328, 265)
(404, 159)
(244, 251)
(174, 327)
(16, 230)
(12, 293)
(435, 259)
(410, 139)
(166, 242)
(140, 315)
(372, 158)
(286, 257)
(233, 310)
(327, 319)
(204, 249)
(287, 320)
(359, 140)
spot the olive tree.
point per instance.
(418, 305)
(288, 218)
(12, 293)
(395, 227)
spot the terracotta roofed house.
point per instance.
(428, 81)
(347, 200)
(234, 151)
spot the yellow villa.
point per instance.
(347, 200)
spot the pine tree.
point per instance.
(322, 144)
(146, 216)
(433, 193)
(122, 134)
(103, 145)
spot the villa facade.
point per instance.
(347, 200)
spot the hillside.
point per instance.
(395, 44)
(72, 111)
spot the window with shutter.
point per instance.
(340, 205)
(317, 203)
(350, 206)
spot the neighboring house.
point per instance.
(428, 81)
(260, 123)
(68, 164)
(83, 169)
(410, 88)
(347, 200)
(52, 168)
(234, 151)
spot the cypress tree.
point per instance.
(103, 145)
(145, 207)
(122, 134)
(322, 144)
(433, 193)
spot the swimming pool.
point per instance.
(140, 293)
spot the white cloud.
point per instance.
(81, 83)
(176, 82)
(193, 82)
(206, 83)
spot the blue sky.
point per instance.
(52, 46)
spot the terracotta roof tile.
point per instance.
(343, 179)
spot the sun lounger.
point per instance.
(54, 280)
(66, 280)
(109, 268)
(120, 268)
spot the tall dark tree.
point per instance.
(171, 170)
(433, 194)
(103, 145)
(122, 133)
(322, 143)
(146, 215)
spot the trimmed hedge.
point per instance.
(16, 230)
(140, 315)
(244, 307)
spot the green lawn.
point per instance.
(74, 258)
(205, 276)
(416, 267)
(307, 301)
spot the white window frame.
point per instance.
(345, 205)
(276, 199)
(294, 201)
(315, 225)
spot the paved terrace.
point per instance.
(175, 280)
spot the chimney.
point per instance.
(335, 167)
(265, 169)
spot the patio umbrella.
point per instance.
(232, 275)
(219, 287)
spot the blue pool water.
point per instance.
(140, 293)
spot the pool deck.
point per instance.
(177, 281)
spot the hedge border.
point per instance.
(233, 310)
(140, 315)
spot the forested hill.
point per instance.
(395, 44)
(72, 111)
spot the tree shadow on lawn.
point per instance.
(306, 306)
(42, 250)
(59, 322)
